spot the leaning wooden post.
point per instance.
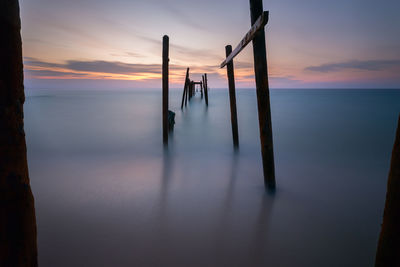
(184, 87)
(232, 97)
(206, 88)
(389, 241)
(263, 102)
(165, 88)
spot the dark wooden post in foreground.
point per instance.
(17, 208)
(184, 87)
(232, 97)
(201, 89)
(388, 252)
(165, 60)
(263, 102)
(206, 88)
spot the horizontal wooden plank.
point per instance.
(259, 24)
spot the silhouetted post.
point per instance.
(232, 97)
(263, 102)
(191, 90)
(388, 252)
(206, 88)
(184, 87)
(165, 56)
(187, 94)
(201, 89)
(17, 208)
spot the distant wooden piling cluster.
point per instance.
(256, 34)
(189, 88)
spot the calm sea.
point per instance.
(108, 194)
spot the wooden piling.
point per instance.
(165, 60)
(206, 88)
(232, 97)
(18, 245)
(184, 87)
(201, 90)
(389, 241)
(263, 101)
(191, 90)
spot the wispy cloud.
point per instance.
(98, 69)
(184, 51)
(112, 67)
(369, 65)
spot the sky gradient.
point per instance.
(310, 43)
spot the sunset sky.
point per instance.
(117, 44)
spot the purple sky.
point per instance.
(310, 43)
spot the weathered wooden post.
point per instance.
(232, 97)
(184, 87)
(17, 206)
(165, 60)
(389, 241)
(263, 102)
(206, 88)
(201, 89)
(187, 93)
(191, 90)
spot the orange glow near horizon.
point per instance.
(122, 42)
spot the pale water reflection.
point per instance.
(108, 194)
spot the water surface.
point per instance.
(108, 194)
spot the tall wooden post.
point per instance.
(389, 241)
(206, 88)
(184, 87)
(232, 97)
(165, 60)
(201, 89)
(263, 102)
(17, 206)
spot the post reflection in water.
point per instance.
(107, 194)
(196, 228)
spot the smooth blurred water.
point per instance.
(108, 194)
